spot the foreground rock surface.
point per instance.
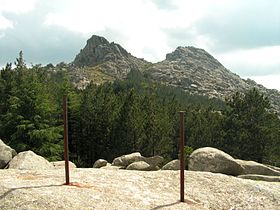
(214, 160)
(28, 160)
(6, 154)
(61, 164)
(98, 189)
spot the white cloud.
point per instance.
(17, 6)
(254, 62)
(141, 21)
(269, 81)
(150, 29)
(5, 23)
(137, 20)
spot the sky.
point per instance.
(244, 35)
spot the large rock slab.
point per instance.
(214, 160)
(273, 167)
(139, 165)
(28, 160)
(252, 167)
(260, 177)
(6, 154)
(172, 165)
(100, 163)
(61, 164)
(125, 160)
(124, 189)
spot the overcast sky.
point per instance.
(244, 35)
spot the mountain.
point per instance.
(196, 70)
(189, 68)
(110, 56)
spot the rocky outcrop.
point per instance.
(189, 68)
(195, 70)
(61, 164)
(6, 154)
(110, 58)
(125, 160)
(154, 162)
(28, 160)
(214, 160)
(100, 163)
(139, 165)
(252, 167)
(172, 165)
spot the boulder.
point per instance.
(139, 165)
(155, 161)
(100, 163)
(110, 167)
(252, 167)
(213, 160)
(28, 160)
(172, 165)
(260, 177)
(6, 154)
(61, 164)
(126, 160)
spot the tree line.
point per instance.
(135, 114)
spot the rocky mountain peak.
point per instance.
(190, 68)
(95, 41)
(193, 55)
(99, 56)
(99, 50)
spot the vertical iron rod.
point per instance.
(66, 152)
(182, 156)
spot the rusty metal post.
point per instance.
(182, 156)
(66, 152)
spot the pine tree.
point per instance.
(245, 125)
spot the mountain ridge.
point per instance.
(190, 68)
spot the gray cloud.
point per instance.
(249, 25)
(39, 43)
(238, 32)
(180, 37)
(255, 70)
